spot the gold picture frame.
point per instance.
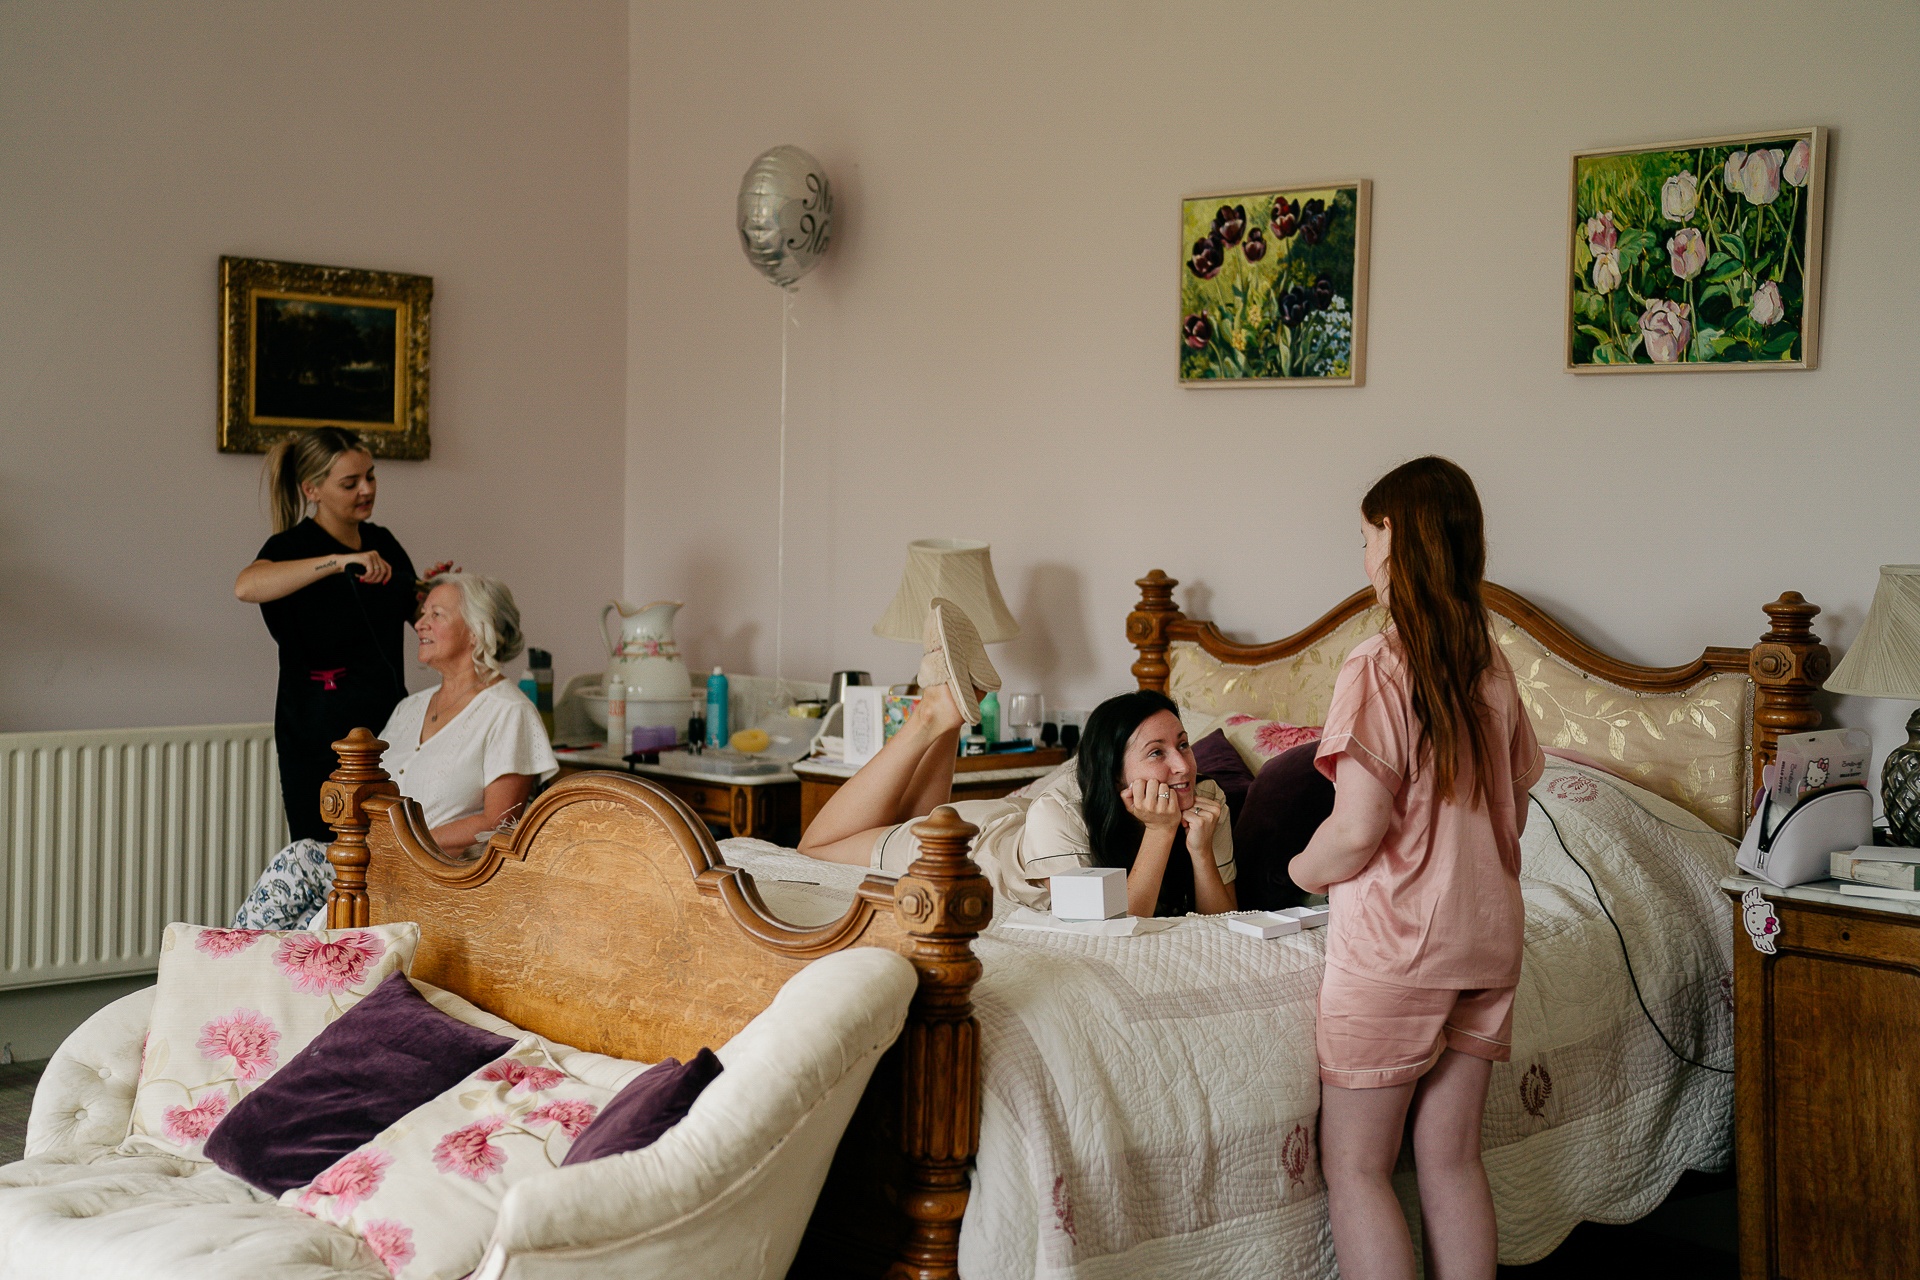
(1701, 256)
(1273, 286)
(305, 346)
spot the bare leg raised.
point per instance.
(912, 775)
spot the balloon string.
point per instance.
(780, 560)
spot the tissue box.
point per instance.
(864, 710)
(650, 737)
(1309, 917)
(1091, 893)
(1808, 762)
(1264, 924)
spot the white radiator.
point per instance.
(107, 835)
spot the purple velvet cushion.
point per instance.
(1218, 760)
(373, 1064)
(652, 1103)
(1286, 804)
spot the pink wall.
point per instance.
(482, 144)
(988, 351)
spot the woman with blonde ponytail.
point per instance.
(337, 593)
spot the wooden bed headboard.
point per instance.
(1785, 667)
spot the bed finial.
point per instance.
(1787, 665)
(1147, 629)
(944, 902)
(342, 797)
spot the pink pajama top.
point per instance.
(1438, 905)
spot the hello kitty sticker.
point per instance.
(1757, 914)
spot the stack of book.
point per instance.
(1878, 871)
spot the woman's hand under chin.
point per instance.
(1201, 822)
(1153, 804)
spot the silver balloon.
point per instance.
(785, 214)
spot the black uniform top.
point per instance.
(334, 624)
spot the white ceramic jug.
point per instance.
(648, 658)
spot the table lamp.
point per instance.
(1885, 663)
(955, 569)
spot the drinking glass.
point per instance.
(1025, 711)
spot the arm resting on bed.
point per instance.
(728, 1190)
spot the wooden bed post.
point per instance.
(1787, 666)
(944, 902)
(1147, 629)
(342, 798)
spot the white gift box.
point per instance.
(1090, 893)
(1264, 924)
(1309, 917)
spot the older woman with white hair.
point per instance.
(470, 750)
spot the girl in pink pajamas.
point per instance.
(1431, 755)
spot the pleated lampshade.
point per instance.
(956, 569)
(1885, 661)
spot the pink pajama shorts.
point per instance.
(1372, 1034)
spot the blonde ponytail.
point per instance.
(302, 459)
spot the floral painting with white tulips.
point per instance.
(1272, 286)
(1696, 254)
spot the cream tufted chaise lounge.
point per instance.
(725, 1193)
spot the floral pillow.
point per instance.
(425, 1193)
(1258, 741)
(232, 1005)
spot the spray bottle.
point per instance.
(717, 731)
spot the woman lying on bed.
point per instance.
(1134, 798)
(469, 750)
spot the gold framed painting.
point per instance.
(1697, 256)
(1273, 286)
(305, 346)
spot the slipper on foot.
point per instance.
(956, 658)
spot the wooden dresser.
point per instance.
(1827, 1089)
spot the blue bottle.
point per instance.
(717, 734)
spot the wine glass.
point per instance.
(1025, 711)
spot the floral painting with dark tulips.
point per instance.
(1267, 287)
(1696, 254)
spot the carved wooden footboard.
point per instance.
(607, 920)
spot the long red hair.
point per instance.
(1436, 560)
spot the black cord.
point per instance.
(1624, 955)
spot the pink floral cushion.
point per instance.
(231, 1005)
(424, 1193)
(1258, 741)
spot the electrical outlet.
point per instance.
(6, 1054)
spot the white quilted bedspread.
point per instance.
(1150, 1102)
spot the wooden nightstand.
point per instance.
(1827, 1088)
(974, 777)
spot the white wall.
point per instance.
(989, 349)
(482, 144)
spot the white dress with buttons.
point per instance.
(495, 734)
